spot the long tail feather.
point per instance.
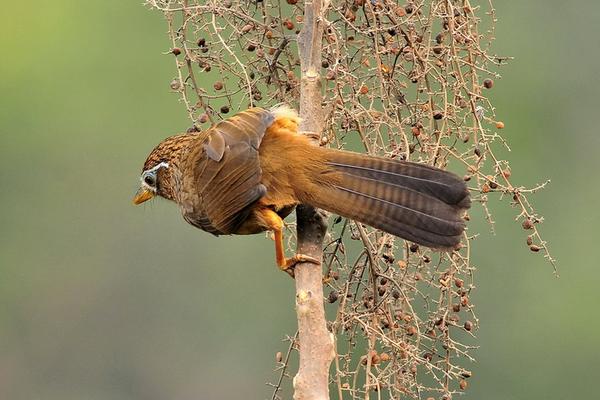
(413, 201)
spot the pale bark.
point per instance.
(315, 341)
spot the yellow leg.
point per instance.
(275, 224)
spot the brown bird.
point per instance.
(248, 172)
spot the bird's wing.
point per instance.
(227, 170)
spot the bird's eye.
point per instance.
(150, 180)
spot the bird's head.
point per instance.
(158, 177)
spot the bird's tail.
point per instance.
(413, 201)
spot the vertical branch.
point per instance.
(316, 343)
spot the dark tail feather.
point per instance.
(413, 201)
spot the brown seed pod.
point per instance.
(251, 47)
(175, 84)
(438, 115)
(485, 188)
(488, 83)
(384, 357)
(176, 51)
(278, 357)
(364, 89)
(396, 294)
(224, 109)
(292, 2)
(529, 240)
(414, 248)
(459, 282)
(468, 326)
(463, 384)
(218, 85)
(402, 264)
(409, 8)
(201, 42)
(499, 125)
(456, 307)
(535, 248)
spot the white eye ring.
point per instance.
(148, 177)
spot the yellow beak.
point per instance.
(142, 195)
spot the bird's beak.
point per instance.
(142, 195)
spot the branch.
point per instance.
(316, 342)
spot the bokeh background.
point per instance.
(102, 300)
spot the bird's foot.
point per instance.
(290, 263)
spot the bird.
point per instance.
(248, 172)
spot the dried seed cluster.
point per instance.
(407, 80)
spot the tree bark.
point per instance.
(315, 341)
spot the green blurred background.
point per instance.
(102, 300)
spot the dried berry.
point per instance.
(464, 301)
(289, 25)
(176, 51)
(175, 84)
(409, 8)
(224, 109)
(218, 85)
(527, 224)
(488, 83)
(438, 115)
(278, 357)
(364, 89)
(535, 248)
(396, 294)
(333, 296)
(201, 42)
(292, 2)
(203, 118)
(499, 125)
(384, 357)
(468, 326)
(251, 47)
(414, 247)
(463, 384)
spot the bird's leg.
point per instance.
(275, 224)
